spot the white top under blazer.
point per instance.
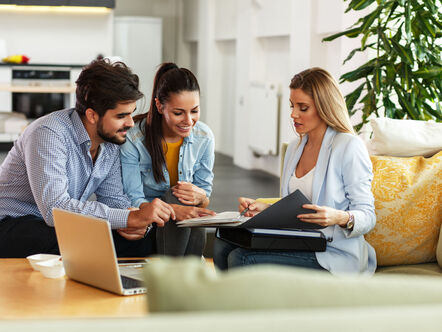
(304, 183)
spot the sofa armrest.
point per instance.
(439, 249)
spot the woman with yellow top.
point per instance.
(169, 154)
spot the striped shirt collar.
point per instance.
(80, 130)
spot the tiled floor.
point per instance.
(231, 182)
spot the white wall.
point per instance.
(55, 37)
(235, 42)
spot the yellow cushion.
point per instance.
(271, 200)
(408, 201)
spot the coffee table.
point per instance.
(25, 293)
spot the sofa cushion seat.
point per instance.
(429, 269)
(190, 285)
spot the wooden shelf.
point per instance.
(37, 89)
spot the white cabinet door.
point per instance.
(138, 41)
(5, 96)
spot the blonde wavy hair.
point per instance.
(320, 85)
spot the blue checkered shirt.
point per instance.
(50, 166)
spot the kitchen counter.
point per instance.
(3, 64)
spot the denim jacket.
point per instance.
(197, 156)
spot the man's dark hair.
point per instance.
(102, 85)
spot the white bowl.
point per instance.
(51, 268)
(34, 259)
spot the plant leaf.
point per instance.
(426, 25)
(434, 112)
(430, 5)
(358, 73)
(377, 80)
(369, 19)
(353, 97)
(406, 70)
(385, 41)
(389, 107)
(420, 90)
(354, 51)
(420, 51)
(428, 72)
(359, 4)
(405, 103)
(408, 21)
(402, 52)
(390, 74)
(351, 33)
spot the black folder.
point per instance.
(278, 228)
(283, 214)
(273, 239)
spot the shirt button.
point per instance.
(181, 172)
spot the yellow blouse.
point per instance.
(172, 156)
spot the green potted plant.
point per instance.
(404, 78)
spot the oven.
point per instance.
(37, 91)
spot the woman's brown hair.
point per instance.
(169, 79)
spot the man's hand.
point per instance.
(183, 212)
(189, 194)
(132, 234)
(156, 211)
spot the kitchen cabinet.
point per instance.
(82, 3)
(25, 91)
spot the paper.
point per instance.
(225, 219)
(283, 214)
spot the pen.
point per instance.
(244, 212)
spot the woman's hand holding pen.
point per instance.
(254, 207)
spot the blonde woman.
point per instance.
(331, 166)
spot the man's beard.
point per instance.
(110, 138)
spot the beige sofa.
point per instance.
(426, 318)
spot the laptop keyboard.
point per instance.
(130, 282)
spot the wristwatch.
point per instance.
(351, 221)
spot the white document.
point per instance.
(227, 218)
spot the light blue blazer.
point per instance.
(342, 180)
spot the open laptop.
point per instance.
(88, 254)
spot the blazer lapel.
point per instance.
(322, 163)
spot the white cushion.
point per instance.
(405, 138)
